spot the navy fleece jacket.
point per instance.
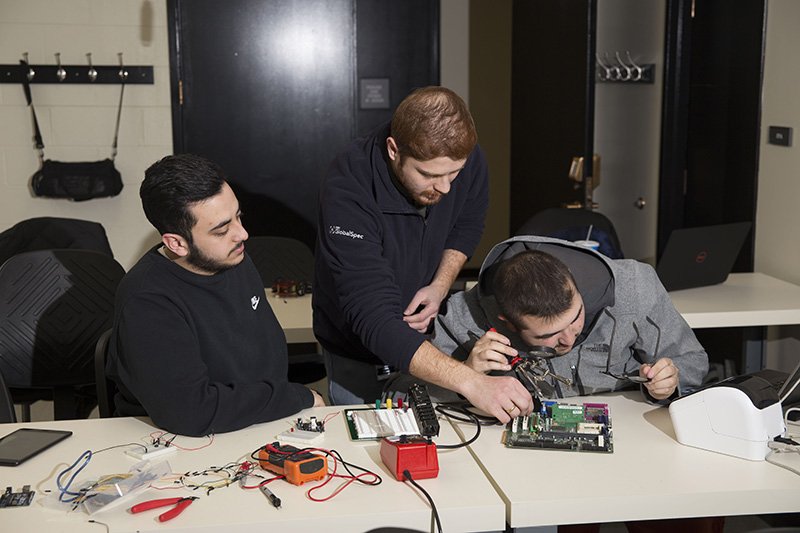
(375, 250)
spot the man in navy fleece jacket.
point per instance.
(400, 212)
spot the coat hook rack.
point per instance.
(91, 74)
(617, 70)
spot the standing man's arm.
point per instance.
(430, 297)
(499, 396)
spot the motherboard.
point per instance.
(579, 427)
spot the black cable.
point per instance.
(463, 407)
(407, 475)
(338, 456)
(447, 410)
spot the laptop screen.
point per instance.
(696, 257)
(790, 391)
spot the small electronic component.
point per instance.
(17, 499)
(422, 407)
(296, 465)
(584, 427)
(416, 416)
(310, 424)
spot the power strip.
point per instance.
(151, 452)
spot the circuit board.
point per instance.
(578, 427)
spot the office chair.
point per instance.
(7, 413)
(573, 225)
(106, 388)
(54, 305)
(50, 233)
(281, 258)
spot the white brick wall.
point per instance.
(77, 121)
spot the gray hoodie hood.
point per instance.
(630, 319)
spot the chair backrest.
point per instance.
(7, 413)
(51, 233)
(54, 305)
(106, 388)
(281, 258)
(572, 225)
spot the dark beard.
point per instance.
(202, 262)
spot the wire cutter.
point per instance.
(179, 503)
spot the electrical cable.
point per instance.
(782, 445)
(447, 410)
(120, 446)
(64, 488)
(407, 475)
(463, 407)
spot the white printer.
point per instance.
(737, 416)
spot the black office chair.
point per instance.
(7, 413)
(54, 305)
(106, 388)
(573, 225)
(51, 233)
(281, 258)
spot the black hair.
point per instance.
(533, 283)
(172, 185)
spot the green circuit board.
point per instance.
(579, 427)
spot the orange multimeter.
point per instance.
(296, 465)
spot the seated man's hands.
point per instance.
(430, 298)
(663, 378)
(489, 353)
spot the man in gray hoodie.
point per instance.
(611, 322)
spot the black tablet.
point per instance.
(22, 444)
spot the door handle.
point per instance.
(640, 203)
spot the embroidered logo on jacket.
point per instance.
(254, 302)
(337, 230)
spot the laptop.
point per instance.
(697, 257)
(789, 392)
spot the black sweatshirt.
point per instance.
(199, 354)
(375, 250)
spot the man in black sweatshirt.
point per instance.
(400, 211)
(195, 345)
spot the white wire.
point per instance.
(787, 467)
(792, 427)
(782, 447)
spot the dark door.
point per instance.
(552, 98)
(711, 119)
(710, 138)
(269, 89)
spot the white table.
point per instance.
(464, 497)
(295, 317)
(648, 476)
(749, 300)
(744, 299)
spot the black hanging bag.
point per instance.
(77, 181)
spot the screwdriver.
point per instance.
(274, 500)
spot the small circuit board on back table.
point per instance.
(579, 427)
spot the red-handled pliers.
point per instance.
(179, 503)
